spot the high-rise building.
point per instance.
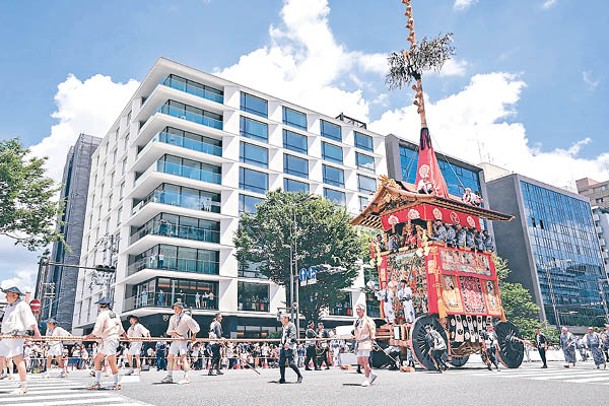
(402, 158)
(597, 192)
(601, 222)
(58, 283)
(552, 248)
(187, 155)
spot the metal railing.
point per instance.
(178, 199)
(175, 264)
(167, 229)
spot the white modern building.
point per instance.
(187, 155)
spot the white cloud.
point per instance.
(591, 84)
(24, 279)
(82, 107)
(463, 4)
(19, 266)
(454, 67)
(90, 107)
(303, 63)
(478, 124)
(547, 4)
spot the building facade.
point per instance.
(188, 154)
(57, 288)
(402, 159)
(601, 222)
(552, 248)
(597, 192)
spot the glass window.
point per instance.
(366, 184)
(294, 165)
(333, 176)
(331, 152)
(457, 178)
(253, 181)
(247, 204)
(254, 155)
(364, 161)
(295, 142)
(343, 306)
(330, 130)
(253, 297)
(336, 196)
(363, 202)
(364, 141)
(291, 185)
(255, 105)
(294, 118)
(253, 129)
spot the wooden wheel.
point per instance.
(511, 352)
(420, 348)
(458, 361)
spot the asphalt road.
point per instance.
(473, 385)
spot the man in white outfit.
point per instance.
(109, 328)
(364, 331)
(56, 348)
(181, 326)
(18, 319)
(135, 348)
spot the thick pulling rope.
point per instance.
(155, 339)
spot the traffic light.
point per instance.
(105, 268)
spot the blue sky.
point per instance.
(551, 49)
(529, 79)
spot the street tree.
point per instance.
(519, 306)
(28, 208)
(317, 230)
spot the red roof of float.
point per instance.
(401, 200)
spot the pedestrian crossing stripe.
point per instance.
(50, 392)
(586, 376)
(111, 401)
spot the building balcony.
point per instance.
(166, 299)
(179, 200)
(175, 264)
(194, 88)
(164, 228)
(194, 115)
(189, 172)
(188, 143)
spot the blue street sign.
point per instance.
(302, 274)
(312, 272)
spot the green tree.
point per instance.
(519, 306)
(321, 232)
(28, 209)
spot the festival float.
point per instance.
(427, 276)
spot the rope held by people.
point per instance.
(155, 339)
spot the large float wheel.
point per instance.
(458, 361)
(511, 351)
(420, 348)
